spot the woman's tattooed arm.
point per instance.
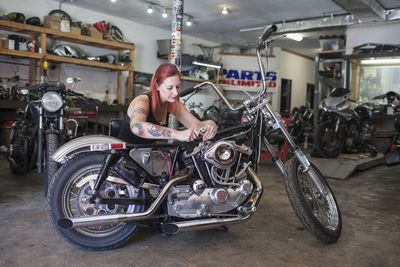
(149, 130)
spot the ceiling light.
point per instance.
(206, 65)
(381, 61)
(150, 10)
(294, 36)
(224, 11)
(164, 14)
(113, 1)
(189, 22)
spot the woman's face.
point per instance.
(169, 89)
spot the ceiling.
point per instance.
(210, 24)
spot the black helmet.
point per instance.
(33, 21)
(17, 17)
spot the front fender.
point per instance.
(82, 144)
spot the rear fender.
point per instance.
(86, 144)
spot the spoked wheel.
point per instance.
(328, 142)
(69, 197)
(319, 214)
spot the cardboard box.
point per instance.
(93, 32)
(75, 30)
(4, 41)
(52, 22)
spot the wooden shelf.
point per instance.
(64, 36)
(85, 62)
(23, 54)
(45, 33)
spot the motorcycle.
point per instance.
(106, 189)
(344, 125)
(39, 130)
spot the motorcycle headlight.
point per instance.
(51, 101)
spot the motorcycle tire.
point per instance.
(328, 143)
(62, 14)
(21, 165)
(319, 215)
(70, 187)
(50, 166)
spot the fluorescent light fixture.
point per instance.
(164, 14)
(224, 11)
(381, 61)
(294, 36)
(150, 10)
(206, 64)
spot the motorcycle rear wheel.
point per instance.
(328, 143)
(68, 197)
(319, 215)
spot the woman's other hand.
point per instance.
(210, 129)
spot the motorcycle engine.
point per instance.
(229, 187)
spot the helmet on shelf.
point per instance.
(16, 16)
(65, 51)
(33, 21)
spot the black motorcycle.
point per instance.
(39, 130)
(344, 126)
(106, 189)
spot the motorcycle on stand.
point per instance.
(106, 189)
(344, 125)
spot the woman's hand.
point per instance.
(210, 129)
(186, 135)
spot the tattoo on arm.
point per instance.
(139, 110)
(157, 131)
(137, 128)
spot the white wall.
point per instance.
(386, 33)
(96, 81)
(301, 71)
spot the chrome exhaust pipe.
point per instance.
(68, 223)
(175, 227)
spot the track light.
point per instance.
(224, 11)
(150, 10)
(294, 36)
(164, 14)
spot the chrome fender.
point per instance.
(84, 144)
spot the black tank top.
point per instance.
(126, 134)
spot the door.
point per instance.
(286, 92)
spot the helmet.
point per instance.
(17, 17)
(64, 51)
(33, 21)
(107, 59)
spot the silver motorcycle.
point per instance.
(106, 189)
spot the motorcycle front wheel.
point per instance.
(69, 198)
(328, 142)
(319, 214)
(50, 166)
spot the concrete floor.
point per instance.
(369, 201)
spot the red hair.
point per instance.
(163, 72)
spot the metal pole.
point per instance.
(316, 96)
(176, 46)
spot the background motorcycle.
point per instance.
(344, 125)
(39, 131)
(106, 189)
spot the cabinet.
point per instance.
(42, 34)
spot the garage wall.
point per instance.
(301, 71)
(93, 84)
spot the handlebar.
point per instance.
(267, 33)
(187, 91)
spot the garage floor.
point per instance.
(369, 200)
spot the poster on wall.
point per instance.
(248, 80)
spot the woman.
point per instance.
(147, 116)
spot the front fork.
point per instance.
(280, 124)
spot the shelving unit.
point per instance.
(43, 34)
